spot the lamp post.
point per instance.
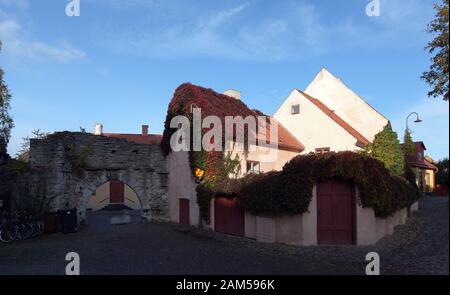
(418, 120)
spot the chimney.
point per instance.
(98, 129)
(233, 93)
(144, 130)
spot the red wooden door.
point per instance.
(228, 217)
(184, 211)
(116, 192)
(335, 212)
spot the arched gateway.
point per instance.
(75, 164)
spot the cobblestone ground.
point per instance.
(418, 247)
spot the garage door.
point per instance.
(335, 212)
(228, 217)
(116, 192)
(184, 211)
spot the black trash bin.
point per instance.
(69, 221)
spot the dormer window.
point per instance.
(420, 155)
(295, 109)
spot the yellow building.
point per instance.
(424, 167)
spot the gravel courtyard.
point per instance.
(419, 247)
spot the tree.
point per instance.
(6, 122)
(437, 76)
(408, 144)
(442, 174)
(23, 153)
(386, 148)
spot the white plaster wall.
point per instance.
(131, 198)
(266, 163)
(309, 222)
(366, 224)
(289, 229)
(100, 198)
(346, 103)
(182, 185)
(415, 206)
(266, 229)
(250, 226)
(312, 127)
(301, 229)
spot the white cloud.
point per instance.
(231, 34)
(18, 4)
(405, 15)
(296, 31)
(125, 4)
(15, 43)
(199, 37)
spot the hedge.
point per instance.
(289, 191)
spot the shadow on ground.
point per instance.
(418, 247)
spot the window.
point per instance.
(420, 155)
(295, 109)
(322, 150)
(253, 167)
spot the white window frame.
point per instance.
(253, 165)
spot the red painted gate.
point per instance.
(184, 211)
(228, 217)
(116, 192)
(335, 212)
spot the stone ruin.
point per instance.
(72, 165)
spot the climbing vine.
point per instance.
(290, 191)
(218, 166)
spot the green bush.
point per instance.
(290, 191)
(386, 148)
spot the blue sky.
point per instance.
(119, 62)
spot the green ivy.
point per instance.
(289, 191)
(78, 157)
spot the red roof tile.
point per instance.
(330, 113)
(422, 164)
(286, 140)
(137, 138)
(430, 165)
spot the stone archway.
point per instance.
(90, 187)
(75, 164)
(114, 195)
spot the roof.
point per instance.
(137, 138)
(286, 140)
(413, 160)
(326, 72)
(361, 140)
(423, 163)
(418, 145)
(213, 103)
(430, 165)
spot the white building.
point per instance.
(329, 116)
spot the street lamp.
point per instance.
(418, 120)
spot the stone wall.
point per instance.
(75, 164)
